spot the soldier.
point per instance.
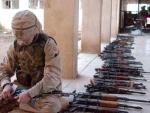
(34, 57)
(143, 15)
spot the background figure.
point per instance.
(143, 15)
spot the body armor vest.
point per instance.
(31, 61)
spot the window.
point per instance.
(10, 4)
(15, 4)
(134, 7)
(35, 4)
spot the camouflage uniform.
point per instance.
(37, 68)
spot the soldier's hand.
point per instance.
(7, 92)
(23, 97)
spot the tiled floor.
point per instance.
(88, 62)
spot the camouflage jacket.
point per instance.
(37, 65)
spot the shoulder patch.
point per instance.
(52, 49)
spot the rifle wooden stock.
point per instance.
(103, 103)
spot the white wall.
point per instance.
(0, 4)
(6, 15)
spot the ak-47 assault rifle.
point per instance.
(102, 103)
(117, 77)
(85, 108)
(110, 89)
(116, 50)
(96, 95)
(122, 45)
(121, 68)
(116, 61)
(107, 97)
(118, 47)
(77, 108)
(91, 95)
(124, 68)
(120, 72)
(117, 73)
(118, 83)
(117, 57)
(127, 37)
(113, 46)
(122, 42)
(107, 52)
(131, 66)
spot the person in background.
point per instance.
(143, 15)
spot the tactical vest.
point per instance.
(31, 60)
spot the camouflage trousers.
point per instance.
(46, 104)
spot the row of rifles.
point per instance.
(120, 74)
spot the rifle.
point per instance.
(110, 89)
(123, 61)
(92, 96)
(117, 64)
(127, 37)
(86, 95)
(94, 109)
(128, 52)
(133, 68)
(113, 77)
(121, 84)
(117, 72)
(118, 57)
(123, 66)
(102, 103)
(113, 73)
(119, 69)
(113, 46)
(105, 57)
(106, 97)
(118, 47)
(115, 53)
(123, 69)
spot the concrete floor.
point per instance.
(88, 62)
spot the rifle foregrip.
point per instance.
(109, 104)
(108, 97)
